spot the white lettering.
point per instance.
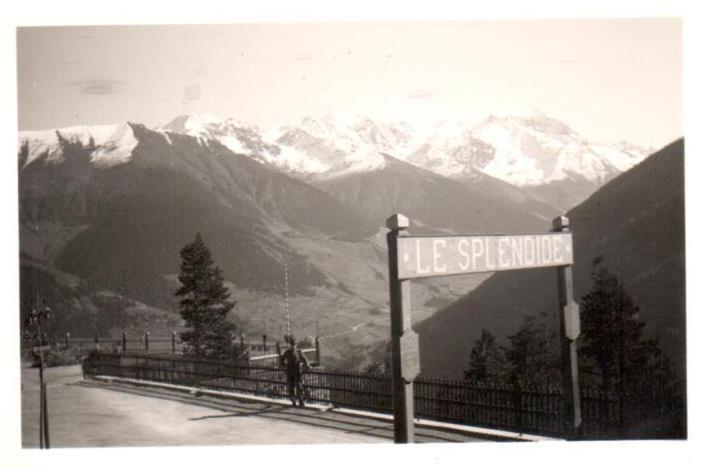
(438, 243)
(529, 250)
(537, 249)
(476, 252)
(546, 246)
(517, 254)
(501, 263)
(462, 246)
(556, 252)
(489, 263)
(420, 270)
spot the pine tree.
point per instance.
(486, 360)
(612, 344)
(533, 354)
(204, 304)
(614, 354)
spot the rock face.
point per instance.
(636, 222)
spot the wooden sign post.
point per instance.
(569, 332)
(401, 322)
(423, 257)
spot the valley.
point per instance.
(110, 208)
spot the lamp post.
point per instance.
(35, 327)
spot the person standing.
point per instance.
(294, 362)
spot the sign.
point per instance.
(572, 326)
(40, 349)
(409, 352)
(421, 257)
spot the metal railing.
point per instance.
(514, 407)
(168, 345)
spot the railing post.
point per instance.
(172, 337)
(263, 341)
(518, 402)
(569, 332)
(147, 340)
(247, 351)
(66, 340)
(318, 350)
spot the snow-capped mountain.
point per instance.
(239, 137)
(108, 144)
(337, 144)
(543, 157)
(332, 146)
(524, 150)
(521, 149)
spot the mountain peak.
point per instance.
(192, 124)
(534, 120)
(107, 144)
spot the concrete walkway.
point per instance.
(98, 414)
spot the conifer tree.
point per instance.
(486, 360)
(533, 354)
(612, 338)
(204, 304)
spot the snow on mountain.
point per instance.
(239, 137)
(329, 147)
(47, 144)
(117, 149)
(523, 149)
(108, 144)
(336, 145)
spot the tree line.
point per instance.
(614, 354)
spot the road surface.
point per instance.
(92, 414)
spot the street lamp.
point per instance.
(35, 330)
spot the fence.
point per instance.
(517, 408)
(266, 353)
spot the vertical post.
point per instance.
(96, 341)
(263, 343)
(278, 347)
(41, 401)
(401, 321)
(569, 332)
(147, 340)
(622, 396)
(123, 341)
(172, 342)
(318, 350)
(288, 314)
(45, 415)
(66, 340)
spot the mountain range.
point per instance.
(104, 211)
(545, 159)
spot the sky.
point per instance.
(609, 79)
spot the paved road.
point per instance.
(85, 414)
